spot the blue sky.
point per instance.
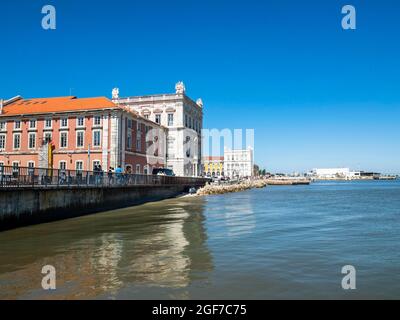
(315, 94)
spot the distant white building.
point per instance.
(331, 173)
(342, 174)
(239, 163)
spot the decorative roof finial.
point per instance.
(199, 102)
(180, 88)
(115, 93)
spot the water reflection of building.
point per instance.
(156, 245)
(159, 257)
(240, 218)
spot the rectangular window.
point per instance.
(138, 143)
(48, 123)
(80, 139)
(32, 141)
(97, 120)
(186, 121)
(158, 118)
(146, 116)
(31, 164)
(138, 126)
(80, 121)
(47, 137)
(63, 165)
(138, 169)
(96, 164)
(2, 125)
(17, 124)
(79, 166)
(63, 140)
(17, 141)
(2, 141)
(97, 138)
(129, 140)
(32, 124)
(64, 123)
(170, 120)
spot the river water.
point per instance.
(273, 243)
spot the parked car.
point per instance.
(163, 172)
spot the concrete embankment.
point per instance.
(287, 182)
(26, 206)
(212, 189)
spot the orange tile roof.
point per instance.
(59, 104)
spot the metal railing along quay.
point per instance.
(19, 177)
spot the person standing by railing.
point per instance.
(62, 177)
(110, 175)
(101, 173)
(31, 175)
(119, 174)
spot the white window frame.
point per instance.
(138, 142)
(96, 161)
(66, 144)
(29, 141)
(3, 125)
(30, 162)
(19, 141)
(78, 125)
(83, 139)
(170, 119)
(93, 138)
(47, 134)
(4, 141)
(76, 165)
(61, 122)
(59, 165)
(30, 123)
(45, 123)
(129, 140)
(137, 169)
(158, 115)
(95, 122)
(15, 124)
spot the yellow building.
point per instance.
(213, 166)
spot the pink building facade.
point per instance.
(82, 133)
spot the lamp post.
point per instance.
(88, 167)
(89, 157)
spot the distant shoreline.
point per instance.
(353, 180)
